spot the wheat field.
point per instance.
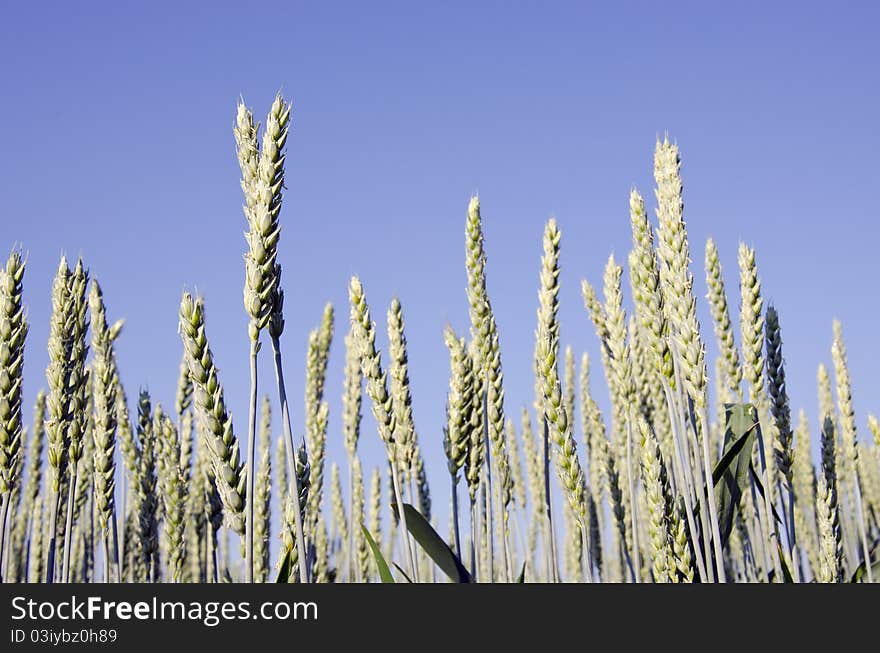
(699, 472)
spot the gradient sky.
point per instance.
(116, 130)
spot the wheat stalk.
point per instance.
(262, 183)
(827, 511)
(804, 479)
(592, 426)
(717, 297)
(568, 466)
(296, 489)
(848, 431)
(290, 539)
(340, 522)
(375, 509)
(263, 498)
(404, 435)
(172, 494)
(377, 389)
(58, 401)
(621, 380)
(211, 412)
(31, 490)
(752, 328)
(146, 501)
(104, 433)
(78, 383)
(781, 413)
(13, 331)
(361, 550)
(459, 408)
(658, 528)
(35, 572)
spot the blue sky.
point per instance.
(117, 144)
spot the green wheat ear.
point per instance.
(104, 433)
(13, 331)
(215, 421)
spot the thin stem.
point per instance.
(772, 533)
(632, 500)
(105, 545)
(412, 499)
(115, 546)
(508, 563)
(792, 538)
(683, 472)
(120, 524)
(490, 534)
(475, 531)
(291, 465)
(405, 531)
(68, 527)
(4, 516)
(860, 517)
(455, 526)
(353, 570)
(553, 575)
(691, 447)
(214, 575)
(710, 491)
(588, 562)
(251, 468)
(760, 520)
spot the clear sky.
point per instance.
(116, 131)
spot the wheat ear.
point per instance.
(459, 406)
(377, 390)
(104, 433)
(568, 466)
(58, 401)
(850, 445)
(211, 412)
(827, 511)
(752, 328)
(13, 331)
(777, 391)
(351, 427)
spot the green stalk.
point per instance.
(553, 571)
(291, 464)
(251, 468)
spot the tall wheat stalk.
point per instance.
(377, 389)
(262, 182)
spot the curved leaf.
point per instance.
(522, 574)
(861, 572)
(731, 473)
(433, 544)
(402, 572)
(384, 571)
(283, 575)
